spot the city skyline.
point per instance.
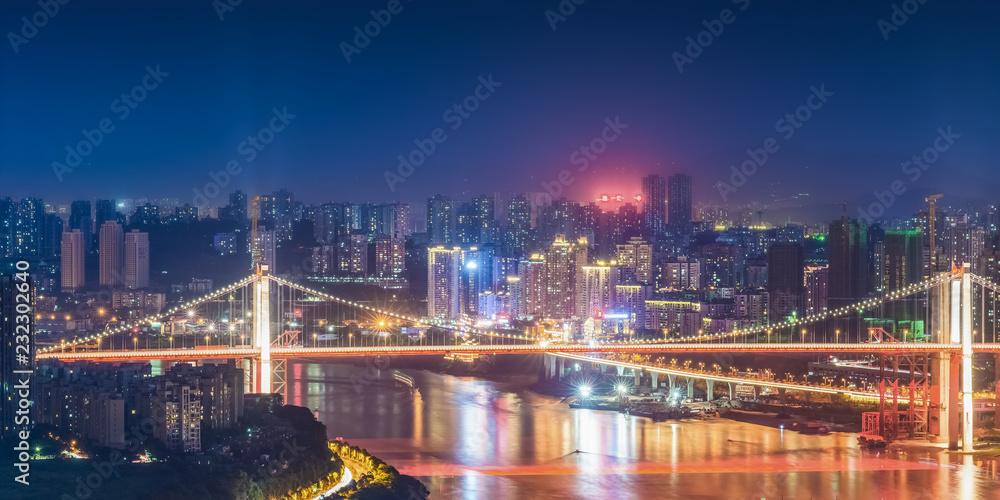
(342, 140)
(535, 249)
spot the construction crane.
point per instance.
(254, 243)
(930, 225)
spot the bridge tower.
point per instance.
(951, 374)
(262, 329)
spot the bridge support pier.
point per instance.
(262, 328)
(690, 393)
(621, 370)
(638, 378)
(560, 366)
(782, 395)
(710, 390)
(996, 388)
(672, 379)
(654, 377)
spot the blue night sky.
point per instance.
(605, 60)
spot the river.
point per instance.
(468, 438)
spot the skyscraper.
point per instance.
(27, 241)
(267, 247)
(654, 205)
(112, 255)
(531, 278)
(848, 262)
(402, 223)
(136, 259)
(596, 290)
(679, 202)
(104, 211)
(560, 279)
(635, 257)
(390, 256)
(8, 220)
(80, 218)
(71, 261)
(236, 211)
(441, 220)
(443, 297)
(518, 224)
(903, 259)
(353, 254)
(785, 280)
(817, 282)
(50, 236)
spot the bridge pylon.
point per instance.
(951, 373)
(262, 330)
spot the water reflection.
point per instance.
(468, 438)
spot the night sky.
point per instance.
(557, 87)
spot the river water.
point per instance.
(468, 438)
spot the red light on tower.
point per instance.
(638, 197)
(619, 198)
(603, 198)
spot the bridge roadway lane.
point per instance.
(640, 347)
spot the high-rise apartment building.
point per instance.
(596, 290)
(80, 218)
(532, 280)
(390, 256)
(136, 259)
(28, 223)
(518, 224)
(72, 261)
(443, 280)
(817, 282)
(560, 278)
(848, 255)
(112, 255)
(903, 259)
(266, 247)
(654, 205)
(353, 254)
(964, 243)
(682, 273)
(785, 280)
(679, 202)
(104, 211)
(441, 220)
(635, 258)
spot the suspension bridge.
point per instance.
(934, 327)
